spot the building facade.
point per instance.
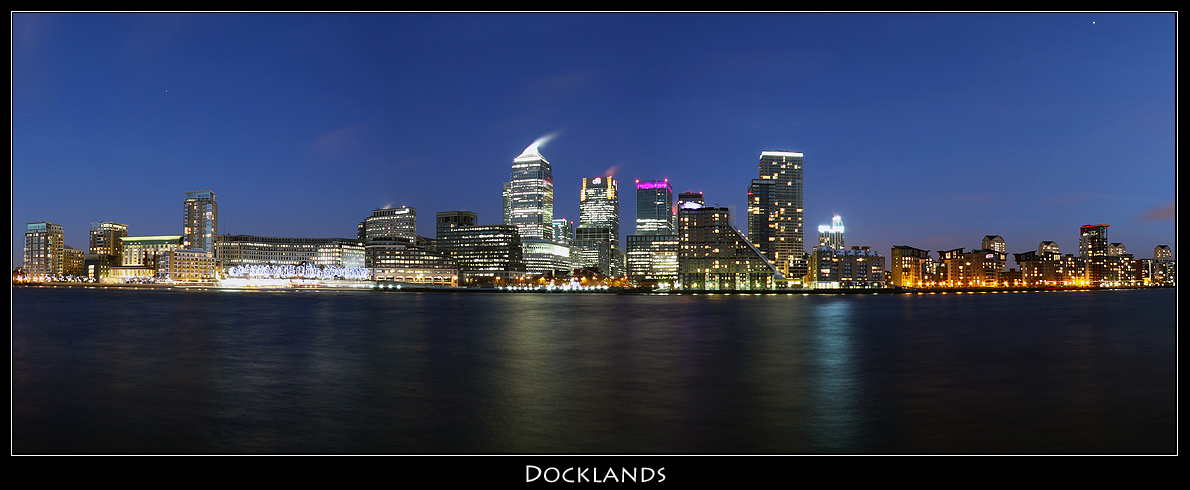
(404, 260)
(715, 256)
(105, 238)
(389, 223)
(831, 235)
(245, 250)
(485, 253)
(187, 266)
(857, 267)
(653, 259)
(909, 267)
(597, 237)
(775, 211)
(44, 253)
(200, 221)
(143, 251)
(654, 208)
(529, 195)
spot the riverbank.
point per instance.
(408, 287)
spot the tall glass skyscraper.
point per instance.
(654, 208)
(597, 238)
(529, 195)
(200, 221)
(775, 208)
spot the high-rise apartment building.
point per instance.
(1092, 240)
(105, 238)
(529, 195)
(200, 221)
(389, 223)
(654, 208)
(44, 250)
(831, 236)
(775, 212)
(1092, 247)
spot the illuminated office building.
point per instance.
(831, 235)
(652, 253)
(448, 220)
(200, 221)
(400, 259)
(563, 231)
(775, 212)
(597, 237)
(1163, 268)
(546, 257)
(653, 259)
(44, 254)
(654, 208)
(389, 223)
(529, 195)
(73, 262)
(715, 256)
(485, 253)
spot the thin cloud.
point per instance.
(1168, 210)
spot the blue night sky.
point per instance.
(929, 130)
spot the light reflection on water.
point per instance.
(112, 371)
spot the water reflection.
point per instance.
(159, 372)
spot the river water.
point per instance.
(119, 371)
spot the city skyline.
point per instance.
(925, 130)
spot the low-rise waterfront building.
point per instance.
(191, 265)
(242, 250)
(857, 267)
(653, 259)
(143, 251)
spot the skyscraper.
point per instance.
(597, 239)
(529, 195)
(654, 208)
(775, 221)
(200, 221)
(652, 253)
